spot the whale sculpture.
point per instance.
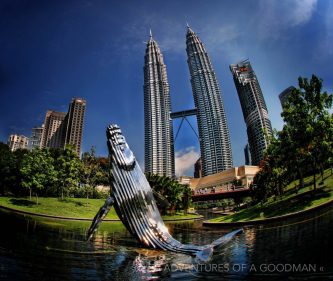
(135, 205)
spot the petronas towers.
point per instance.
(212, 124)
(214, 136)
(159, 152)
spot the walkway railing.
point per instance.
(220, 194)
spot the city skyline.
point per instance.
(53, 51)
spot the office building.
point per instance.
(159, 151)
(36, 137)
(254, 109)
(224, 181)
(54, 130)
(74, 124)
(185, 180)
(285, 94)
(61, 129)
(213, 130)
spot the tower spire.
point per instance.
(150, 33)
(189, 29)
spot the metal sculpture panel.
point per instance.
(135, 205)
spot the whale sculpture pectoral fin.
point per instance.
(103, 211)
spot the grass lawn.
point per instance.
(69, 207)
(290, 201)
(180, 216)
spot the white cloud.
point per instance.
(185, 159)
(325, 49)
(168, 33)
(223, 39)
(278, 16)
(303, 11)
(220, 35)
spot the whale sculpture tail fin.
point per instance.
(206, 254)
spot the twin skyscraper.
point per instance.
(214, 138)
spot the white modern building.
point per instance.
(17, 142)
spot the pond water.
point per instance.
(45, 249)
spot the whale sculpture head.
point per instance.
(119, 148)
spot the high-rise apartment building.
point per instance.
(17, 142)
(54, 131)
(60, 129)
(254, 109)
(36, 137)
(159, 150)
(74, 123)
(214, 136)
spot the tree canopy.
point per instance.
(304, 145)
(178, 195)
(51, 172)
(38, 171)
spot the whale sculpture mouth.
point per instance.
(135, 205)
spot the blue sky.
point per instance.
(51, 51)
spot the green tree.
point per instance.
(292, 156)
(161, 185)
(187, 198)
(69, 167)
(260, 188)
(38, 171)
(7, 166)
(309, 125)
(19, 155)
(273, 175)
(305, 140)
(95, 171)
(175, 194)
(179, 196)
(237, 183)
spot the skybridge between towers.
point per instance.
(183, 115)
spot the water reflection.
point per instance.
(45, 249)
